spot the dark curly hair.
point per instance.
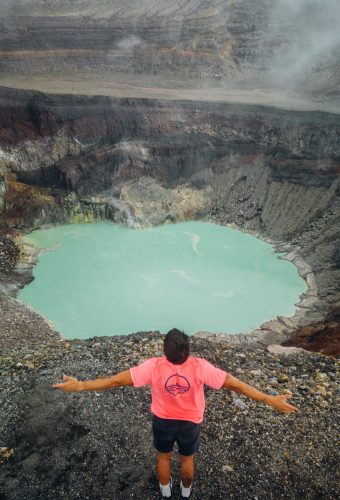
(176, 346)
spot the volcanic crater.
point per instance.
(156, 112)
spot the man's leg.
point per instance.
(163, 467)
(187, 470)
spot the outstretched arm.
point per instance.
(73, 385)
(277, 402)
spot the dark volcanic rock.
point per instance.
(321, 337)
(9, 253)
(20, 325)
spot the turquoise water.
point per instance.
(104, 279)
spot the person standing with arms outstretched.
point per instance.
(177, 381)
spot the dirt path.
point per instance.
(134, 86)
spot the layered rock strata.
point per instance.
(235, 43)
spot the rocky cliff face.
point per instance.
(234, 42)
(272, 171)
(267, 168)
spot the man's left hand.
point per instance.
(280, 403)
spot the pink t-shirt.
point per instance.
(177, 390)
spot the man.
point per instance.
(177, 382)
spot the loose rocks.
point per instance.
(98, 445)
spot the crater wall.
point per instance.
(270, 171)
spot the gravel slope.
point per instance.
(98, 445)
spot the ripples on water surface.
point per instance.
(104, 279)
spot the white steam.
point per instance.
(129, 43)
(305, 38)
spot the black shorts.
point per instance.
(166, 432)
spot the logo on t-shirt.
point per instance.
(177, 384)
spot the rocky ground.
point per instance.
(20, 325)
(98, 445)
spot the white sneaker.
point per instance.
(166, 491)
(185, 492)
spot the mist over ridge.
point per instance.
(311, 43)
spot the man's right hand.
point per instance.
(71, 384)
